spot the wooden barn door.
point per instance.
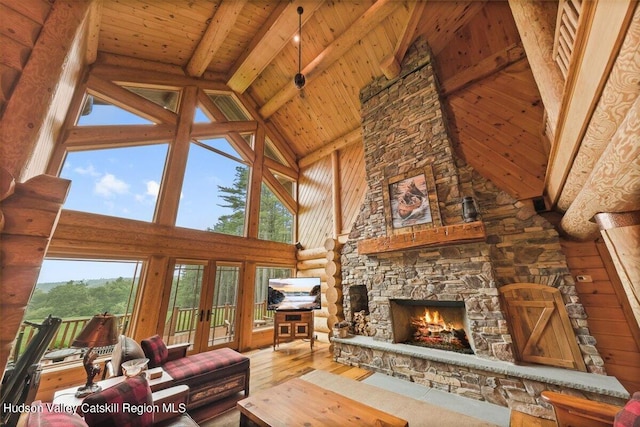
(540, 326)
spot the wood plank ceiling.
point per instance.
(489, 92)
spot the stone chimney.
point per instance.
(405, 130)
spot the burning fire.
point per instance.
(432, 330)
(433, 321)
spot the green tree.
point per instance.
(236, 200)
(276, 222)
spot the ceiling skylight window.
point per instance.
(231, 109)
(97, 111)
(165, 98)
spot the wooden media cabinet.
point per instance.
(289, 325)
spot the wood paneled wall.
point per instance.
(353, 184)
(609, 318)
(315, 210)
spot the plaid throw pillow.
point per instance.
(155, 350)
(629, 416)
(127, 404)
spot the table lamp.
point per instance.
(101, 331)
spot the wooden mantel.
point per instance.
(438, 236)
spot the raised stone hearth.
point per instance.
(404, 131)
(497, 382)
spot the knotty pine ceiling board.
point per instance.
(480, 121)
(441, 19)
(158, 32)
(472, 42)
(249, 23)
(338, 109)
(522, 114)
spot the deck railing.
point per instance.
(69, 329)
(181, 320)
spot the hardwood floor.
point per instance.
(290, 360)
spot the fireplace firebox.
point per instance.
(436, 324)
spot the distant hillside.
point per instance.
(93, 283)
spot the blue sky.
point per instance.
(124, 182)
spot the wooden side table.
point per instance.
(289, 325)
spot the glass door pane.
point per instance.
(223, 307)
(184, 304)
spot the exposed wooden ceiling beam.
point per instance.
(93, 31)
(390, 65)
(94, 137)
(362, 26)
(274, 36)
(535, 21)
(129, 101)
(483, 69)
(597, 43)
(219, 28)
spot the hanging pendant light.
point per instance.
(299, 79)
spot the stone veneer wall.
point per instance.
(404, 129)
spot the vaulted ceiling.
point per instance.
(493, 104)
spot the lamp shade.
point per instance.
(102, 330)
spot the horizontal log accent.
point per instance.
(93, 234)
(437, 236)
(309, 264)
(312, 253)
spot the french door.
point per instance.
(203, 305)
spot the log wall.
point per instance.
(324, 262)
(611, 321)
(28, 218)
(312, 263)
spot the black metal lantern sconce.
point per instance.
(469, 211)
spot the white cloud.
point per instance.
(109, 185)
(149, 196)
(153, 188)
(89, 170)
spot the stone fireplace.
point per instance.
(404, 130)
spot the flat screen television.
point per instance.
(294, 293)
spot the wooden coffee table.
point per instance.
(299, 403)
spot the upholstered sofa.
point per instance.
(211, 376)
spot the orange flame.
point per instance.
(433, 318)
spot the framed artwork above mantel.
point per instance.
(411, 202)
